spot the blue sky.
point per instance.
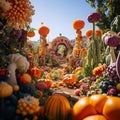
(59, 15)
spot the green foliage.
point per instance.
(108, 9)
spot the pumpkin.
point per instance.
(25, 78)
(57, 107)
(95, 117)
(43, 31)
(82, 108)
(97, 107)
(30, 33)
(111, 109)
(16, 88)
(78, 24)
(70, 79)
(5, 90)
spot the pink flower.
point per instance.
(84, 86)
(77, 92)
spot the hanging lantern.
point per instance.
(78, 24)
(43, 31)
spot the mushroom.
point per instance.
(118, 65)
(17, 62)
(112, 40)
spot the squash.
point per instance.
(97, 107)
(57, 107)
(5, 90)
(17, 62)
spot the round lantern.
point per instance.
(44, 30)
(78, 24)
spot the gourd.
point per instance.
(5, 90)
(57, 107)
(17, 62)
(95, 107)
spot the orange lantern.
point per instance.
(78, 24)
(44, 30)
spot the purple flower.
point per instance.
(94, 17)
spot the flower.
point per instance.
(77, 92)
(98, 70)
(94, 17)
(88, 33)
(5, 5)
(84, 86)
(19, 16)
(98, 32)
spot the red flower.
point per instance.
(94, 17)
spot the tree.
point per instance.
(108, 9)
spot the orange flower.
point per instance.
(78, 24)
(44, 30)
(98, 32)
(98, 70)
(88, 33)
(35, 72)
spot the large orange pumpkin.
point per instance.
(97, 107)
(57, 107)
(82, 109)
(111, 109)
(78, 24)
(44, 30)
(95, 117)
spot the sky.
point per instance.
(58, 16)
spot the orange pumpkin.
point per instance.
(25, 78)
(111, 109)
(57, 107)
(95, 117)
(78, 24)
(82, 108)
(97, 107)
(44, 30)
(98, 101)
(70, 79)
(30, 33)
